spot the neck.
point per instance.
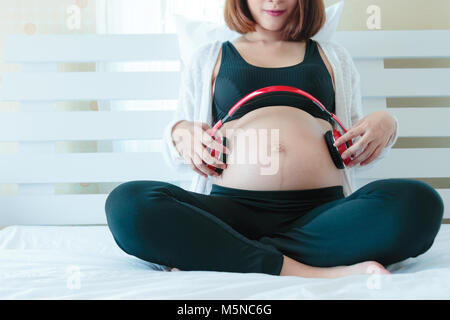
(264, 36)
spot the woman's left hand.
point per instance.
(376, 129)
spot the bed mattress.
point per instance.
(83, 262)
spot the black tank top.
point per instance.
(237, 78)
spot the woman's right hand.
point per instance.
(192, 140)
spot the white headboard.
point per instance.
(36, 167)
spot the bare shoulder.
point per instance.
(239, 40)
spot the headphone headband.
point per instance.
(273, 89)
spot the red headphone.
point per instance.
(330, 136)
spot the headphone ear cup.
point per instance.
(334, 153)
(222, 156)
(344, 146)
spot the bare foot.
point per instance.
(366, 267)
(292, 267)
(169, 269)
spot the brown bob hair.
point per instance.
(305, 21)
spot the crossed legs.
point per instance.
(385, 221)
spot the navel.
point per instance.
(278, 147)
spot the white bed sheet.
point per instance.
(67, 262)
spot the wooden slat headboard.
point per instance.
(36, 167)
(369, 49)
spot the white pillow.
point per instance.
(192, 34)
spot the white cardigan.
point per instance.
(195, 104)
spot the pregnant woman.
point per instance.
(280, 206)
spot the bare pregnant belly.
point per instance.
(278, 148)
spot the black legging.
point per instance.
(236, 230)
